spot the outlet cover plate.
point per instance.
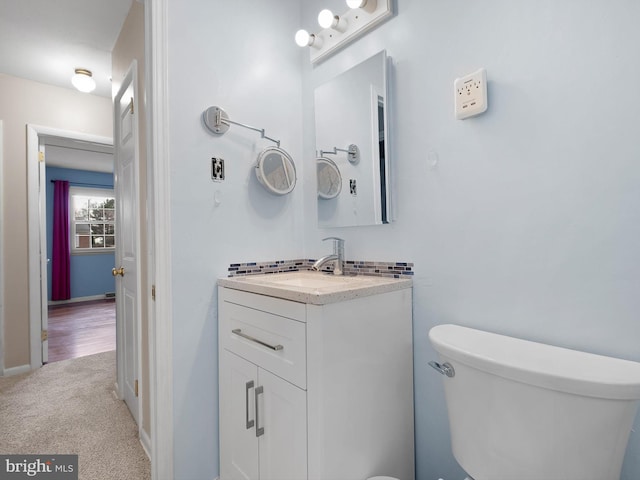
(471, 94)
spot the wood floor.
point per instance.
(80, 329)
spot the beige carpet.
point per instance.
(68, 407)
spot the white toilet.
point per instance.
(521, 410)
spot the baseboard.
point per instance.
(81, 299)
(145, 441)
(8, 372)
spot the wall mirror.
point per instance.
(352, 129)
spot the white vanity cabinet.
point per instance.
(263, 404)
(315, 391)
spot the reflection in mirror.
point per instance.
(276, 171)
(351, 110)
(329, 178)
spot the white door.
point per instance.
(238, 441)
(282, 413)
(127, 241)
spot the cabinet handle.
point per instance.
(238, 332)
(259, 430)
(249, 386)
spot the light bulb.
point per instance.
(303, 38)
(366, 5)
(326, 19)
(306, 39)
(83, 80)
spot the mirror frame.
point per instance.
(287, 161)
(334, 168)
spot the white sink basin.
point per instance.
(314, 287)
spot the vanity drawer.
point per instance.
(271, 341)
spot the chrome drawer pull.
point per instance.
(259, 430)
(238, 332)
(248, 386)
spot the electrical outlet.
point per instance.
(217, 169)
(471, 94)
(352, 187)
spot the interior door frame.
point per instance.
(36, 212)
(1, 254)
(159, 203)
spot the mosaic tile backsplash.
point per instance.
(351, 267)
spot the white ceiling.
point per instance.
(45, 40)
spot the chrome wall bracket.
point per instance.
(352, 151)
(444, 368)
(217, 121)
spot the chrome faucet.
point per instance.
(337, 256)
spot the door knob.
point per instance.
(117, 271)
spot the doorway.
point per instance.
(80, 256)
(38, 137)
(36, 196)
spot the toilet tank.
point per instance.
(521, 410)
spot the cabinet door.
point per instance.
(238, 441)
(282, 412)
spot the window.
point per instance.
(93, 216)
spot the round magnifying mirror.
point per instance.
(329, 178)
(275, 171)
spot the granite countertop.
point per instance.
(315, 287)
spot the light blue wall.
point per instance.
(90, 274)
(227, 54)
(528, 224)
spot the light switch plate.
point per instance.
(471, 94)
(217, 169)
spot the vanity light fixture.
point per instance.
(83, 80)
(326, 19)
(339, 30)
(306, 39)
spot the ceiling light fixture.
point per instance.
(83, 80)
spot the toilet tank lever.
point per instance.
(444, 368)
